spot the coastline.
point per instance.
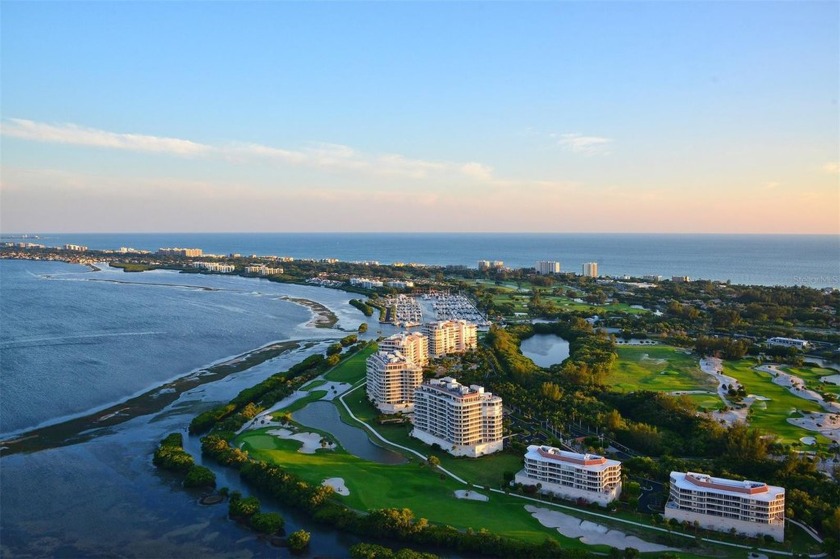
(80, 429)
(323, 316)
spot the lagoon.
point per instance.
(545, 350)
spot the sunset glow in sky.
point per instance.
(695, 117)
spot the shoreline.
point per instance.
(80, 429)
(324, 317)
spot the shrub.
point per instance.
(267, 522)
(298, 541)
(199, 476)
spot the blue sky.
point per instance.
(427, 116)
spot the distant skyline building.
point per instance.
(462, 420)
(571, 475)
(450, 336)
(590, 269)
(392, 379)
(545, 267)
(177, 251)
(750, 507)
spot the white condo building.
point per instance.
(463, 420)
(790, 342)
(450, 336)
(571, 475)
(750, 507)
(545, 267)
(590, 269)
(392, 379)
(414, 346)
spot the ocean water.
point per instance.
(73, 340)
(812, 260)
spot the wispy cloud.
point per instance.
(584, 145)
(832, 168)
(82, 136)
(320, 155)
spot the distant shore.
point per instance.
(324, 317)
(84, 428)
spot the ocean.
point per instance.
(812, 260)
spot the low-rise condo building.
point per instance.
(414, 346)
(262, 270)
(392, 379)
(450, 336)
(215, 267)
(752, 508)
(570, 475)
(462, 420)
(790, 342)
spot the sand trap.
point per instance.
(311, 441)
(646, 357)
(808, 440)
(337, 484)
(591, 533)
(471, 495)
(827, 424)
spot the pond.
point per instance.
(325, 416)
(545, 350)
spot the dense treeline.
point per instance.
(366, 309)
(170, 455)
(251, 401)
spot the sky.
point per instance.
(669, 116)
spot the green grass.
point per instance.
(706, 402)
(351, 370)
(772, 416)
(811, 375)
(411, 485)
(314, 384)
(659, 369)
(313, 396)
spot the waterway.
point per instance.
(545, 350)
(324, 416)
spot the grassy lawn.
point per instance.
(811, 375)
(771, 416)
(659, 369)
(706, 402)
(351, 370)
(314, 384)
(313, 396)
(411, 485)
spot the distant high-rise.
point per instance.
(483, 265)
(547, 267)
(590, 269)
